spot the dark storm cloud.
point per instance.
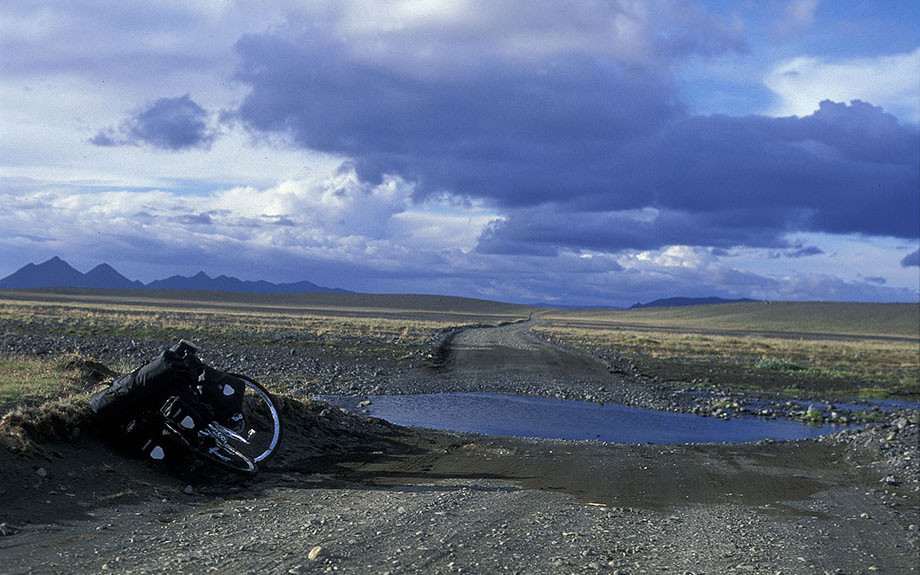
(168, 124)
(567, 146)
(545, 229)
(805, 252)
(515, 133)
(911, 260)
(193, 219)
(797, 251)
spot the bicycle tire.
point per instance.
(261, 416)
(227, 457)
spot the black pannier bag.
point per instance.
(147, 387)
(222, 392)
(186, 418)
(149, 439)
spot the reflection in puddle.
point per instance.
(513, 415)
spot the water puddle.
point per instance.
(513, 415)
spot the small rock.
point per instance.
(189, 490)
(41, 472)
(316, 553)
(6, 529)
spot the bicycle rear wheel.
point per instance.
(227, 457)
(261, 422)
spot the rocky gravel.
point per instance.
(307, 371)
(360, 496)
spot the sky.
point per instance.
(588, 153)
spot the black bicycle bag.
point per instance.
(147, 387)
(188, 418)
(222, 392)
(148, 439)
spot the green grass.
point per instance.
(774, 364)
(147, 323)
(352, 330)
(30, 380)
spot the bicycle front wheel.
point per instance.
(227, 457)
(261, 424)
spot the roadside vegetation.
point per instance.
(837, 319)
(156, 323)
(355, 335)
(341, 339)
(806, 350)
(26, 380)
(846, 352)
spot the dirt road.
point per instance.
(511, 359)
(354, 496)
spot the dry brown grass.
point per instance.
(26, 380)
(865, 367)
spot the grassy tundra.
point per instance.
(831, 350)
(826, 350)
(350, 328)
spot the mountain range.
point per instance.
(685, 301)
(58, 273)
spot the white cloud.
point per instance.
(892, 82)
(802, 12)
(333, 217)
(433, 36)
(439, 230)
(849, 257)
(671, 257)
(797, 16)
(46, 138)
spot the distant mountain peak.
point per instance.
(55, 272)
(687, 301)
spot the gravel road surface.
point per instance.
(351, 495)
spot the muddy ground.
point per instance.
(361, 496)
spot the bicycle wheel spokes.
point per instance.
(262, 423)
(228, 457)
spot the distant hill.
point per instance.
(58, 273)
(686, 301)
(105, 275)
(201, 281)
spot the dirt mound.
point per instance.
(89, 371)
(55, 453)
(61, 420)
(56, 421)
